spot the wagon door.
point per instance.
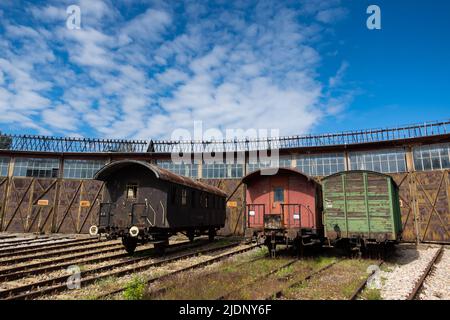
(278, 196)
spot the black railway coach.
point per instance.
(144, 203)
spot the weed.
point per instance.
(285, 271)
(135, 289)
(372, 294)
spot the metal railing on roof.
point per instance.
(88, 145)
(302, 141)
(60, 144)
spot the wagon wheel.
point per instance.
(130, 244)
(160, 247)
(190, 235)
(211, 234)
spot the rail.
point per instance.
(37, 143)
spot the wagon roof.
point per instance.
(160, 173)
(360, 171)
(265, 173)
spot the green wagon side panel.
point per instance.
(361, 204)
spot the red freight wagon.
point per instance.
(283, 208)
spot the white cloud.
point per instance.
(61, 117)
(144, 74)
(332, 15)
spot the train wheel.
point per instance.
(130, 244)
(160, 248)
(191, 235)
(211, 234)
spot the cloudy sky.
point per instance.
(141, 69)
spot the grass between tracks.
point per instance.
(336, 283)
(235, 279)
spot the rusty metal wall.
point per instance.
(425, 204)
(48, 205)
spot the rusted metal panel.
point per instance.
(4, 181)
(41, 215)
(406, 189)
(22, 211)
(73, 217)
(90, 199)
(433, 204)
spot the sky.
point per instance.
(145, 69)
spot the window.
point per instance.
(36, 167)
(4, 164)
(206, 200)
(432, 157)
(82, 169)
(132, 191)
(278, 195)
(183, 169)
(321, 164)
(183, 197)
(222, 170)
(386, 161)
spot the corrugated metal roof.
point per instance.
(160, 173)
(266, 172)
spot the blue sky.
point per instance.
(142, 69)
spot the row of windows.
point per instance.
(436, 157)
(82, 169)
(432, 157)
(35, 167)
(321, 165)
(283, 162)
(386, 161)
(183, 169)
(49, 168)
(222, 170)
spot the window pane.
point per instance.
(4, 164)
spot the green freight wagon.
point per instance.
(360, 209)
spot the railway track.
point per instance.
(101, 247)
(190, 267)
(166, 288)
(48, 246)
(58, 283)
(73, 257)
(260, 278)
(7, 236)
(280, 293)
(363, 283)
(28, 241)
(43, 267)
(419, 284)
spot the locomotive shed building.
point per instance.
(46, 183)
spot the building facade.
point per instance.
(46, 183)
